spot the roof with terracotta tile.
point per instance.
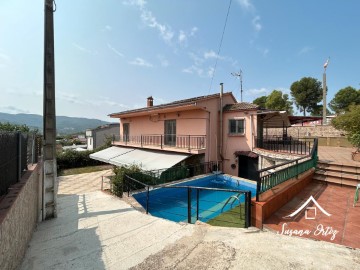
(241, 106)
(171, 104)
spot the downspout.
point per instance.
(252, 131)
(221, 121)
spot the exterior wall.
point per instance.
(19, 213)
(307, 131)
(101, 134)
(90, 143)
(233, 143)
(187, 123)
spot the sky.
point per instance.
(110, 55)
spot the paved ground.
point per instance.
(95, 230)
(339, 155)
(336, 200)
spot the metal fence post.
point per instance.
(19, 165)
(197, 204)
(258, 183)
(189, 205)
(147, 199)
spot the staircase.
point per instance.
(347, 175)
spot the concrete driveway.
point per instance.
(95, 230)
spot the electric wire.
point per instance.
(220, 45)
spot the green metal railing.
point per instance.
(290, 170)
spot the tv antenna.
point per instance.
(239, 75)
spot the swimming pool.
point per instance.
(172, 203)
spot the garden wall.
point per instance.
(19, 214)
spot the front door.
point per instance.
(170, 132)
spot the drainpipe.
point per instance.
(221, 121)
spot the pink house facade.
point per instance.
(208, 128)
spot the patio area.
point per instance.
(95, 230)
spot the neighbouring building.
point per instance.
(98, 137)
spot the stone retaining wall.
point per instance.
(19, 214)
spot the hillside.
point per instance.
(64, 124)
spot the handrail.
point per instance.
(272, 179)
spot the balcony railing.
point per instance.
(301, 146)
(189, 142)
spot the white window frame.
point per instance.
(237, 120)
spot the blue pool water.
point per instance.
(172, 203)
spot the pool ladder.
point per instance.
(234, 197)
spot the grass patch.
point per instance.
(81, 170)
(230, 218)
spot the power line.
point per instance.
(221, 40)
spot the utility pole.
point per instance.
(49, 117)
(239, 75)
(324, 91)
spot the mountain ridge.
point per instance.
(64, 124)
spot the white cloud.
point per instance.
(165, 30)
(83, 49)
(140, 62)
(256, 23)
(163, 61)
(193, 31)
(212, 54)
(210, 72)
(305, 50)
(263, 51)
(182, 36)
(258, 91)
(245, 4)
(69, 97)
(4, 56)
(194, 70)
(115, 51)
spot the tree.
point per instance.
(350, 122)
(279, 101)
(318, 111)
(307, 93)
(344, 98)
(260, 101)
(13, 127)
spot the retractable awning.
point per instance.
(109, 153)
(147, 159)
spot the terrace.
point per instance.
(195, 144)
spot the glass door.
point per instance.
(170, 132)
(126, 132)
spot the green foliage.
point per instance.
(175, 173)
(260, 101)
(74, 159)
(279, 101)
(350, 122)
(344, 98)
(118, 179)
(13, 127)
(307, 93)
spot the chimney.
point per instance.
(150, 101)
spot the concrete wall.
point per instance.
(308, 131)
(101, 134)
(19, 213)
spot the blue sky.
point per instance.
(112, 54)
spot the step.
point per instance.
(338, 167)
(336, 179)
(344, 175)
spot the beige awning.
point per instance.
(148, 160)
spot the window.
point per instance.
(236, 126)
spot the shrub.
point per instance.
(74, 159)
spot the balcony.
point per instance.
(297, 146)
(195, 144)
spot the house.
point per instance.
(97, 137)
(212, 128)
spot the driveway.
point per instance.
(95, 230)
